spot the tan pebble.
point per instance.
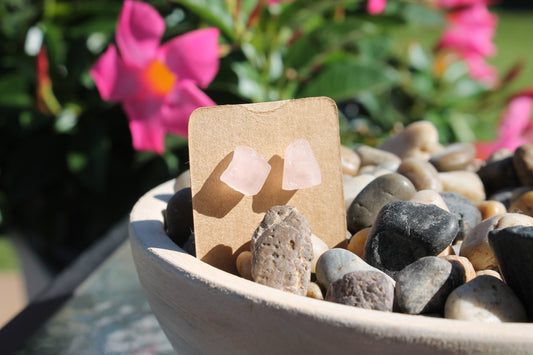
(421, 173)
(524, 204)
(183, 180)
(244, 264)
(476, 246)
(447, 251)
(419, 139)
(492, 273)
(466, 183)
(319, 247)
(368, 169)
(484, 299)
(350, 161)
(358, 241)
(314, 291)
(456, 156)
(429, 197)
(354, 185)
(467, 266)
(374, 156)
(489, 208)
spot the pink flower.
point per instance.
(156, 84)
(480, 70)
(470, 31)
(515, 128)
(375, 7)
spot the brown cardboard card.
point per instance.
(224, 219)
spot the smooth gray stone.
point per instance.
(334, 263)
(282, 250)
(456, 156)
(464, 209)
(380, 191)
(407, 231)
(513, 248)
(424, 285)
(365, 289)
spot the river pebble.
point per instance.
(484, 299)
(419, 139)
(350, 161)
(466, 183)
(464, 209)
(422, 174)
(456, 156)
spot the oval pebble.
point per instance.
(314, 291)
(419, 139)
(178, 217)
(424, 285)
(350, 161)
(374, 156)
(456, 156)
(337, 262)
(353, 186)
(319, 248)
(429, 197)
(476, 246)
(183, 180)
(422, 174)
(244, 264)
(466, 183)
(523, 163)
(358, 241)
(464, 209)
(484, 299)
(523, 204)
(465, 264)
(489, 208)
(380, 191)
(367, 289)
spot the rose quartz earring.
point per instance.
(247, 171)
(300, 169)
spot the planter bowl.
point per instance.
(202, 309)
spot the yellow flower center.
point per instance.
(159, 77)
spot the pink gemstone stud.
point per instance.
(300, 169)
(247, 171)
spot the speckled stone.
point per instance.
(178, 217)
(476, 246)
(422, 174)
(498, 174)
(282, 250)
(466, 183)
(336, 262)
(374, 156)
(489, 208)
(419, 139)
(365, 289)
(350, 161)
(424, 285)
(353, 186)
(513, 248)
(406, 231)
(523, 163)
(484, 299)
(380, 191)
(456, 156)
(464, 209)
(523, 204)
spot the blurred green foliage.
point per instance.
(67, 167)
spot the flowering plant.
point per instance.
(68, 145)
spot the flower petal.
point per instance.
(375, 7)
(115, 80)
(193, 56)
(516, 118)
(181, 102)
(146, 123)
(139, 32)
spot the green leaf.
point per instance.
(344, 80)
(214, 12)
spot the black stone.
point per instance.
(499, 174)
(407, 231)
(464, 209)
(423, 286)
(178, 217)
(513, 248)
(504, 196)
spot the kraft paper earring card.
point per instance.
(224, 218)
